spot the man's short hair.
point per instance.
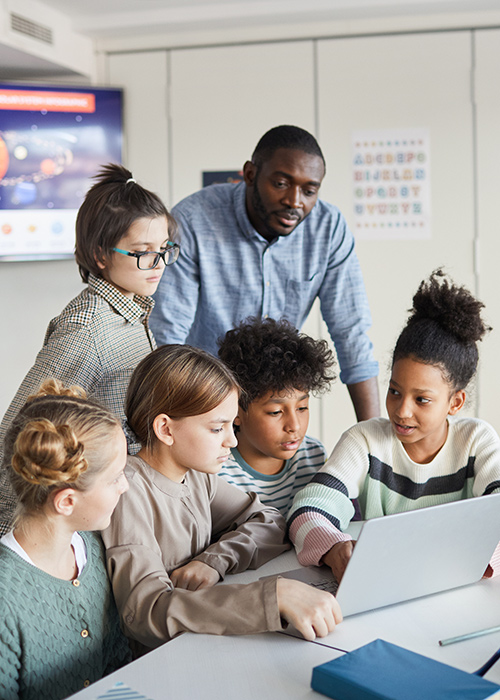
(285, 136)
(267, 355)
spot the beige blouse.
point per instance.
(160, 525)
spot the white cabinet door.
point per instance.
(144, 77)
(487, 95)
(224, 99)
(393, 82)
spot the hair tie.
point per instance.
(131, 179)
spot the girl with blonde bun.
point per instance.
(59, 627)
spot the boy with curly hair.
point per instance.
(277, 368)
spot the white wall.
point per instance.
(416, 80)
(31, 293)
(487, 115)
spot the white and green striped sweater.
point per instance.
(369, 463)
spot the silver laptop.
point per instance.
(414, 554)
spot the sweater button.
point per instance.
(86, 683)
(75, 582)
(84, 633)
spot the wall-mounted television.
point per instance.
(53, 140)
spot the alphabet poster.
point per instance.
(391, 184)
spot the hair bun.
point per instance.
(452, 307)
(46, 454)
(53, 387)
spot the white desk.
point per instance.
(275, 666)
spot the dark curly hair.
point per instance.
(443, 329)
(268, 355)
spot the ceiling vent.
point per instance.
(25, 26)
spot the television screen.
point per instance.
(53, 140)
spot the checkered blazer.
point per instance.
(96, 343)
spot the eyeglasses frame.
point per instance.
(171, 246)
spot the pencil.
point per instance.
(470, 635)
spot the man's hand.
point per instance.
(338, 557)
(194, 575)
(312, 612)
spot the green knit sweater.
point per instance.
(56, 636)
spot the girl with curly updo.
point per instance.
(424, 454)
(181, 528)
(60, 628)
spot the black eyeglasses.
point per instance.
(148, 260)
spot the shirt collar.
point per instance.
(253, 472)
(133, 310)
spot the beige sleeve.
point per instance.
(152, 611)
(248, 533)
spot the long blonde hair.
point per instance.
(56, 440)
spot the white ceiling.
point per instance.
(100, 18)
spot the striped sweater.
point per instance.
(369, 463)
(277, 490)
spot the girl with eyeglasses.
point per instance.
(181, 528)
(124, 239)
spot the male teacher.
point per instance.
(268, 247)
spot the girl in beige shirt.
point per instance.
(180, 528)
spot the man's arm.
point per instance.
(345, 310)
(176, 298)
(365, 399)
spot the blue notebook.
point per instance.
(384, 671)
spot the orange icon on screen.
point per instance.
(47, 166)
(4, 158)
(7, 228)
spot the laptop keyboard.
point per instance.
(329, 585)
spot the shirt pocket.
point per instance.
(299, 298)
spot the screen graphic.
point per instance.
(53, 140)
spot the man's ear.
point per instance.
(162, 429)
(456, 402)
(249, 173)
(64, 501)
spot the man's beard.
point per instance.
(265, 216)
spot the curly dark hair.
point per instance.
(269, 355)
(443, 329)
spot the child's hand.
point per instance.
(338, 557)
(312, 612)
(194, 575)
